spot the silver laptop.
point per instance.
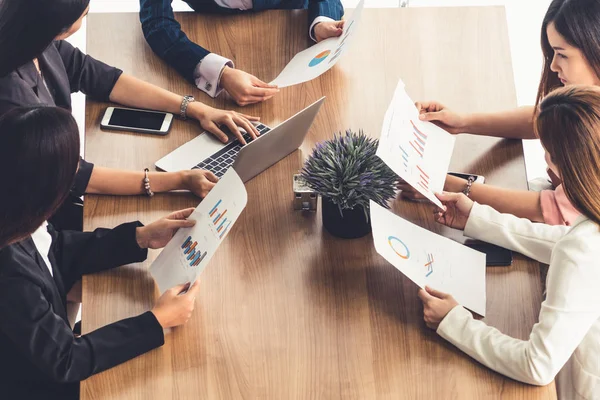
(273, 144)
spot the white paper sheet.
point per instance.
(187, 254)
(430, 259)
(319, 58)
(418, 151)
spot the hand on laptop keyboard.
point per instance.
(214, 121)
(232, 137)
(220, 162)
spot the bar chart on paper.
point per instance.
(220, 225)
(189, 252)
(419, 152)
(193, 254)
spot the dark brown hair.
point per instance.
(578, 22)
(27, 27)
(568, 125)
(39, 152)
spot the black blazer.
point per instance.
(40, 358)
(66, 70)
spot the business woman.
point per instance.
(570, 38)
(40, 357)
(211, 72)
(568, 330)
(38, 67)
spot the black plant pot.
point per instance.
(351, 225)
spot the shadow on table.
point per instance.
(349, 274)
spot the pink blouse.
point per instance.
(556, 207)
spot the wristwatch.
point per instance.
(184, 105)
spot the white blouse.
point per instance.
(569, 327)
(43, 240)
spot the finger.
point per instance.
(207, 188)
(448, 197)
(175, 290)
(424, 296)
(436, 293)
(211, 177)
(194, 289)
(181, 214)
(431, 116)
(255, 99)
(248, 127)
(180, 223)
(340, 24)
(423, 106)
(234, 129)
(214, 129)
(334, 30)
(262, 93)
(262, 84)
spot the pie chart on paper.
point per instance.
(319, 58)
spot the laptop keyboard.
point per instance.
(220, 162)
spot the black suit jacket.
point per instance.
(40, 358)
(66, 70)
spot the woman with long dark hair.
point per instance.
(38, 67)
(568, 329)
(570, 39)
(41, 357)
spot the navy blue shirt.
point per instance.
(164, 35)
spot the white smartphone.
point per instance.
(142, 121)
(478, 178)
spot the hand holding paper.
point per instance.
(319, 58)
(190, 250)
(418, 151)
(430, 259)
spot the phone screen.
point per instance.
(137, 119)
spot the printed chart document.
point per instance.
(429, 259)
(187, 254)
(319, 58)
(418, 151)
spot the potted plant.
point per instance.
(347, 174)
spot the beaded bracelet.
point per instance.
(149, 191)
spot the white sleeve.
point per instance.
(519, 234)
(316, 21)
(570, 309)
(208, 72)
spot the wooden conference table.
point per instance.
(287, 311)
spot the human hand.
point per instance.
(245, 88)
(436, 305)
(441, 116)
(157, 234)
(199, 181)
(211, 118)
(175, 308)
(458, 208)
(327, 29)
(452, 184)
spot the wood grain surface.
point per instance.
(287, 311)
